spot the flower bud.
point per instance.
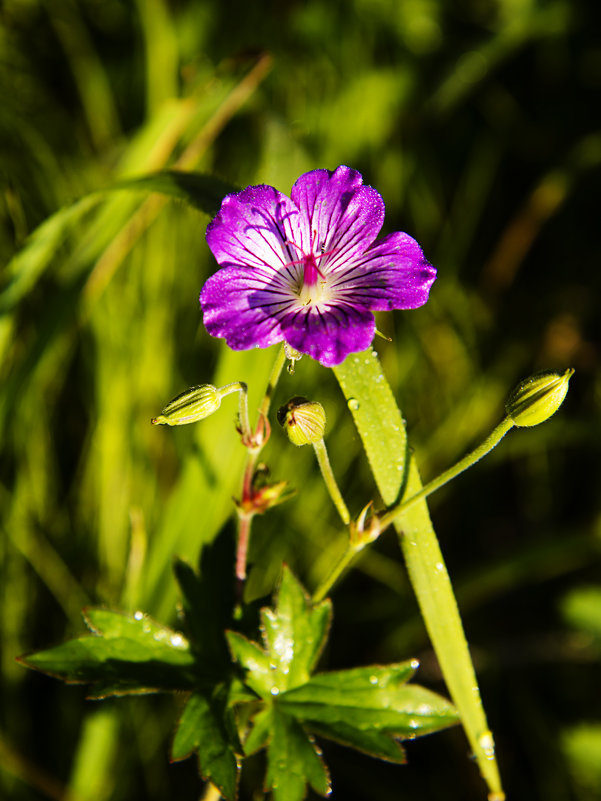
(535, 399)
(192, 405)
(304, 421)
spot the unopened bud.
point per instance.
(304, 421)
(535, 399)
(192, 405)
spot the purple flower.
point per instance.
(307, 270)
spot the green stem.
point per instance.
(253, 450)
(274, 377)
(330, 481)
(240, 386)
(485, 447)
(343, 563)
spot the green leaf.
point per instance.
(292, 761)
(378, 420)
(382, 431)
(126, 654)
(204, 192)
(203, 728)
(378, 744)
(294, 632)
(208, 601)
(262, 728)
(370, 698)
(259, 674)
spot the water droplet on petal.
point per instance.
(353, 404)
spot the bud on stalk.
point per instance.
(535, 399)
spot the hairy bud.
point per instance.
(304, 421)
(535, 399)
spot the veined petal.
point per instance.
(258, 227)
(240, 306)
(342, 216)
(330, 333)
(392, 274)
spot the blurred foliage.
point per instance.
(478, 121)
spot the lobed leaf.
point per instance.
(204, 728)
(126, 654)
(293, 761)
(376, 699)
(208, 601)
(294, 632)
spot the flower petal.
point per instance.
(236, 305)
(393, 274)
(329, 334)
(343, 216)
(258, 228)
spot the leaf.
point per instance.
(370, 699)
(208, 601)
(261, 731)
(382, 432)
(292, 761)
(126, 654)
(294, 632)
(203, 728)
(260, 676)
(378, 744)
(378, 420)
(204, 192)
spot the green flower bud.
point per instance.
(192, 405)
(535, 399)
(304, 421)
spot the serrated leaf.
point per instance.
(370, 699)
(294, 632)
(126, 654)
(259, 674)
(379, 744)
(208, 600)
(293, 761)
(203, 728)
(262, 727)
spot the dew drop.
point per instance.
(177, 640)
(353, 404)
(373, 679)
(487, 744)
(275, 691)
(138, 615)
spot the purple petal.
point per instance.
(256, 228)
(343, 216)
(393, 274)
(329, 335)
(235, 304)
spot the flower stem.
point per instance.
(330, 481)
(343, 563)
(254, 447)
(239, 386)
(485, 447)
(274, 377)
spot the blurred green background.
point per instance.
(479, 123)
